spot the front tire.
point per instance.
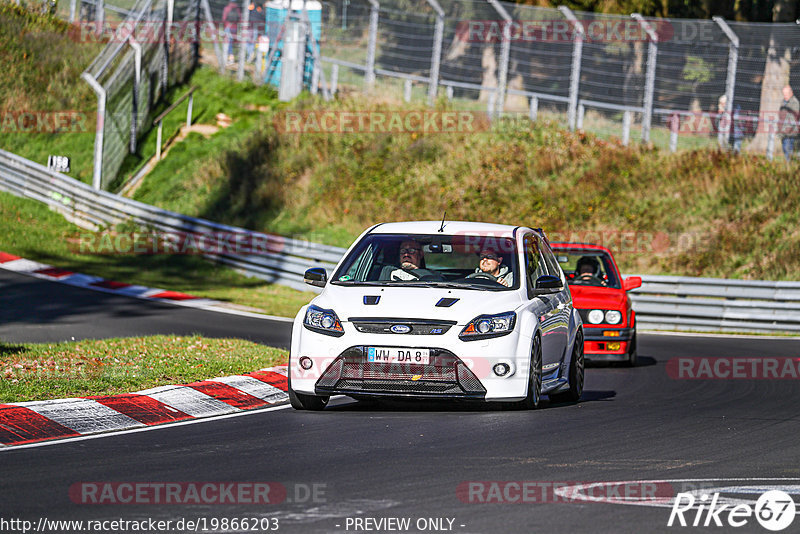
(301, 401)
(534, 395)
(577, 367)
(631, 361)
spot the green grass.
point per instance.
(31, 230)
(106, 367)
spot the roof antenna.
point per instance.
(441, 229)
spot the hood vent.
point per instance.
(446, 302)
(371, 300)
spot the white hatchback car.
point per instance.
(440, 310)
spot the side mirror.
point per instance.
(548, 284)
(632, 282)
(316, 276)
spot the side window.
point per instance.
(534, 267)
(551, 262)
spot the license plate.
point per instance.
(395, 355)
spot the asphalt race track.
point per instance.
(39, 311)
(398, 460)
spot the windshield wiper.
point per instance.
(453, 285)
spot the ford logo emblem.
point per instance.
(400, 329)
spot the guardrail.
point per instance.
(687, 303)
(279, 260)
(662, 303)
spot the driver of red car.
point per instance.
(588, 268)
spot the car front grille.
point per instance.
(419, 327)
(445, 375)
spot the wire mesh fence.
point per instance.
(678, 83)
(147, 52)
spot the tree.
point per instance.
(776, 71)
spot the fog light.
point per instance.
(306, 363)
(501, 369)
(613, 346)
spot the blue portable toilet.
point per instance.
(277, 12)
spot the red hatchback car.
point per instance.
(600, 295)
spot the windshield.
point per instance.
(588, 267)
(460, 261)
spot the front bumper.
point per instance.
(606, 344)
(446, 376)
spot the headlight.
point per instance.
(323, 321)
(485, 326)
(613, 317)
(596, 316)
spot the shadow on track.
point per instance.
(444, 406)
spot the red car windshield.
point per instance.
(588, 267)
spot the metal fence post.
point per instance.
(243, 30)
(579, 120)
(436, 58)
(626, 128)
(167, 32)
(650, 78)
(407, 90)
(533, 108)
(73, 5)
(730, 81)
(674, 127)
(158, 140)
(505, 50)
(369, 75)
(99, 16)
(771, 139)
(137, 78)
(575, 73)
(97, 173)
(334, 78)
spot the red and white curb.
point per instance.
(48, 272)
(43, 271)
(22, 423)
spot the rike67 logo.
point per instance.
(774, 510)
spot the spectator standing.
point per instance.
(231, 15)
(737, 136)
(787, 116)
